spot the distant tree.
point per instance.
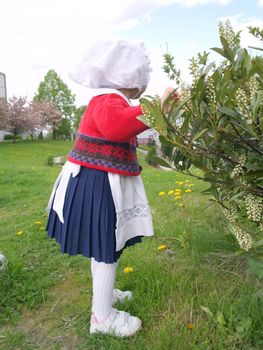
(52, 89)
(33, 122)
(14, 115)
(78, 115)
(65, 128)
(44, 115)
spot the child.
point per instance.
(98, 206)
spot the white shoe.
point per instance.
(119, 323)
(121, 296)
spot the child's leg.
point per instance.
(103, 280)
(106, 319)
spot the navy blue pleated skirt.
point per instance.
(89, 218)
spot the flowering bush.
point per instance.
(217, 126)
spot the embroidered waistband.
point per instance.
(105, 154)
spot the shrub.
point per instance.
(8, 137)
(217, 126)
(151, 156)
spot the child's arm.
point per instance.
(117, 121)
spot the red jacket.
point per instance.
(106, 136)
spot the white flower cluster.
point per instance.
(185, 94)
(243, 104)
(194, 67)
(231, 213)
(211, 94)
(244, 239)
(254, 207)
(238, 169)
(224, 192)
(243, 183)
(148, 116)
(242, 100)
(227, 32)
(253, 86)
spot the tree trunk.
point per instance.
(54, 134)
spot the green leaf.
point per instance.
(255, 104)
(186, 123)
(258, 243)
(206, 310)
(253, 175)
(145, 120)
(228, 52)
(208, 68)
(236, 196)
(220, 51)
(227, 111)
(154, 109)
(256, 48)
(161, 162)
(165, 141)
(173, 114)
(208, 204)
(220, 318)
(199, 134)
(256, 266)
(244, 326)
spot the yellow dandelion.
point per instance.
(187, 181)
(177, 182)
(128, 269)
(161, 193)
(171, 192)
(178, 197)
(42, 228)
(177, 190)
(38, 222)
(20, 232)
(180, 183)
(191, 185)
(163, 247)
(188, 190)
(190, 326)
(181, 205)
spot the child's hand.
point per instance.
(170, 94)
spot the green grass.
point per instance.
(45, 296)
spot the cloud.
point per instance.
(139, 8)
(39, 35)
(201, 2)
(260, 3)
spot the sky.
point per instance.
(36, 36)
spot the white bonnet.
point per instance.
(113, 64)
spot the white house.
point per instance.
(2, 96)
(148, 136)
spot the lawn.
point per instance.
(197, 294)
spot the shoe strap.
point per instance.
(123, 317)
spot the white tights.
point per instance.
(103, 280)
